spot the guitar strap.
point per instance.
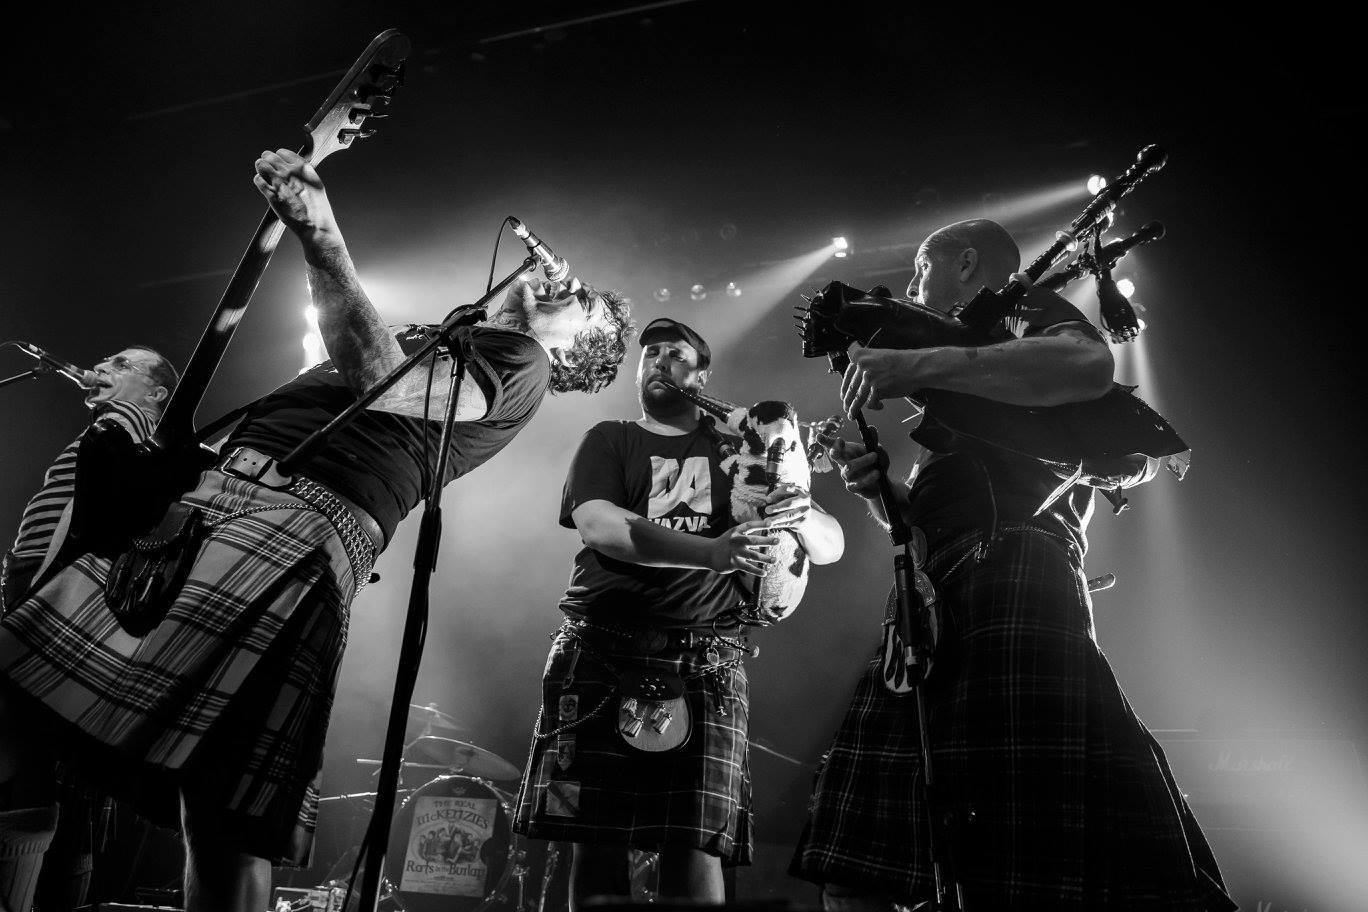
(214, 431)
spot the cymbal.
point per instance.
(431, 715)
(464, 758)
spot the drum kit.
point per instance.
(452, 847)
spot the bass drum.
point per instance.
(452, 847)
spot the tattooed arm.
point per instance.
(358, 342)
(1064, 363)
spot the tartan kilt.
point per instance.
(227, 698)
(584, 784)
(1058, 796)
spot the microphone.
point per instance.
(80, 376)
(556, 268)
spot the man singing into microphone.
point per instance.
(126, 390)
(126, 393)
(216, 717)
(1050, 793)
(654, 591)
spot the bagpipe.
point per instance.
(1079, 439)
(770, 453)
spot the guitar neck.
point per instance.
(364, 93)
(177, 424)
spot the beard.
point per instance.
(660, 401)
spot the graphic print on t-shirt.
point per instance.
(677, 484)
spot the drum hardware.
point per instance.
(764, 748)
(356, 796)
(430, 717)
(518, 875)
(463, 757)
(430, 771)
(643, 871)
(549, 866)
(390, 893)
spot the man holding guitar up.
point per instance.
(216, 716)
(1050, 793)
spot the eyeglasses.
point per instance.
(121, 364)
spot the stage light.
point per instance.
(697, 293)
(840, 254)
(733, 290)
(314, 352)
(840, 243)
(1096, 184)
(1125, 286)
(661, 295)
(311, 315)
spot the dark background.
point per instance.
(706, 142)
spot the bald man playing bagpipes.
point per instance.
(1049, 792)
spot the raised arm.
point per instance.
(361, 347)
(1064, 363)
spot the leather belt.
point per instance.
(253, 465)
(652, 640)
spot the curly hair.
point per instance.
(596, 353)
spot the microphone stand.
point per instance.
(914, 632)
(33, 373)
(424, 563)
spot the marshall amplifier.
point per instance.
(1286, 815)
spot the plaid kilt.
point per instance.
(584, 784)
(1057, 794)
(227, 698)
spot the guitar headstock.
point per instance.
(363, 95)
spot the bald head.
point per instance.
(957, 260)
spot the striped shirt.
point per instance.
(43, 512)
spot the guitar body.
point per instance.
(124, 488)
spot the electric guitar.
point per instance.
(123, 489)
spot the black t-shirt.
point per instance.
(377, 461)
(671, 480)
(964, 487)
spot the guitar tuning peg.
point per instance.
(379, 74)
(347, 134)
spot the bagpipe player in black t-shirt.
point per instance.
(1050, 791)
(620, 760)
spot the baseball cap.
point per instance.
(665, 328)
